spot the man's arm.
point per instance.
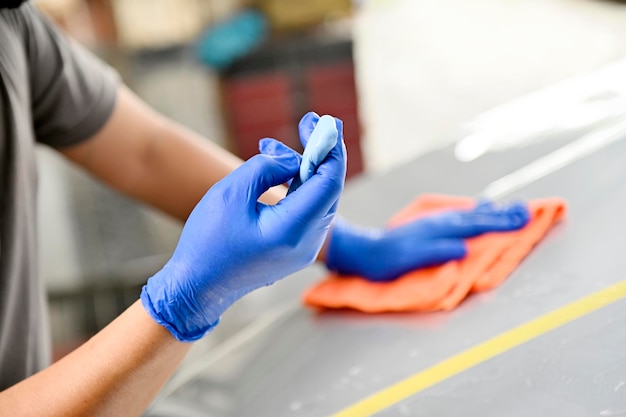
(153, 159)
(119, 370)
(115, 373)
(164, 164)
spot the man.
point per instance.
(54, 93)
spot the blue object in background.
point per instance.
(231, 39)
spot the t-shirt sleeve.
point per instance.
(73, 92)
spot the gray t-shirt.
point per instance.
(53, 92)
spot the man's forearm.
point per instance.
(181, 166)
(154, 159)
(117, 372)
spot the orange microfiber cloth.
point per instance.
(490, 259)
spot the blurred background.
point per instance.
(406, 76)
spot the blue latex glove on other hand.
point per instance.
(380, 254)
(232, 244)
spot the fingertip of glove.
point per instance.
(519, 214)
(339, 125)
(311, 114)
(309, 118)
(267, 146)
(516, 214)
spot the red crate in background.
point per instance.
(259, 106)
(266, 94)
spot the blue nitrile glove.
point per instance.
(380, 254)
(232, 244)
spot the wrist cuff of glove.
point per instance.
(347, 245)
(335, 242)
(165, 319)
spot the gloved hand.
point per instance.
(232, 244)
(380, 254)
